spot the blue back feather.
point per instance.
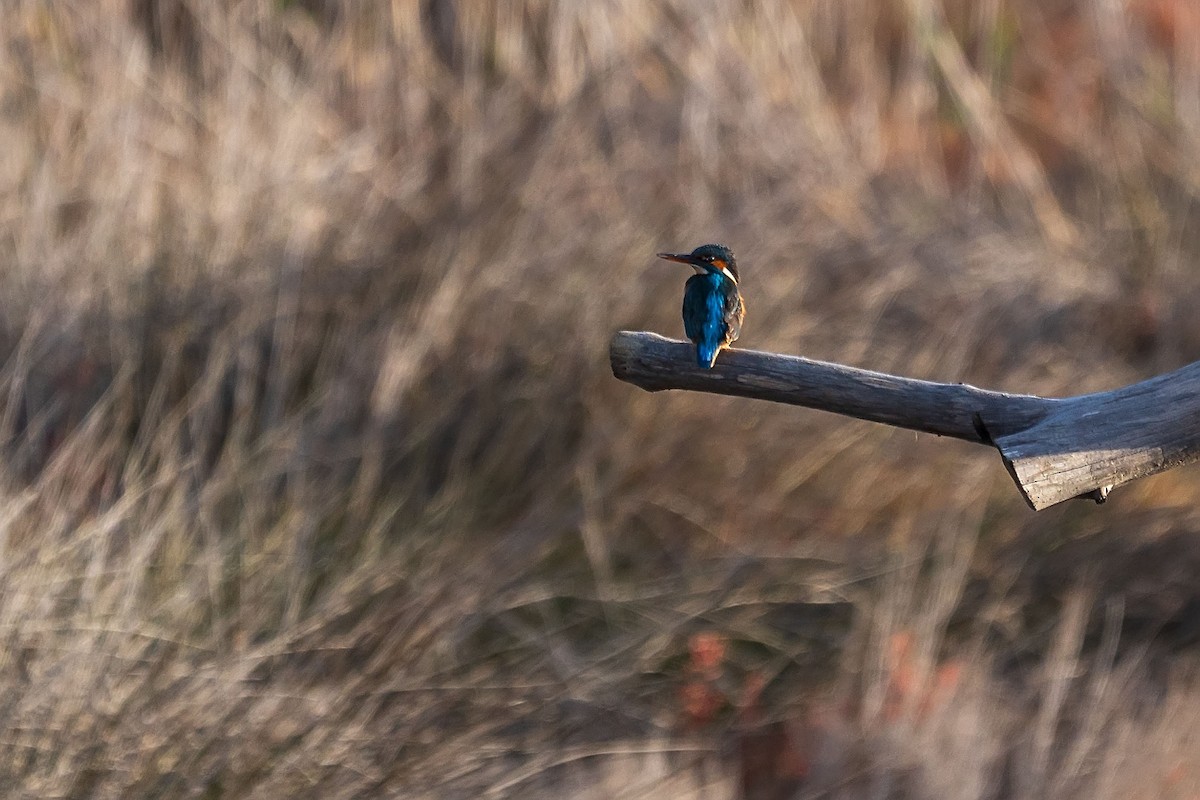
(711, 332)
(703, 316)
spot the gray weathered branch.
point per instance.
(1055, 449)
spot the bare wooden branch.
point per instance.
(654, 362)
(1097, 441)
(1055, 449)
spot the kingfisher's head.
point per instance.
(708, 258)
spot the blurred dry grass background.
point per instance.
(316, 483)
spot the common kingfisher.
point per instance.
(713, 308)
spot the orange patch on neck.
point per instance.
(723, 267)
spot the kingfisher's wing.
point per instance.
(695, 304)
(735, 312)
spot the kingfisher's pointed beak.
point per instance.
(682, 258)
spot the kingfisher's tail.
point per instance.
(706, 354)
